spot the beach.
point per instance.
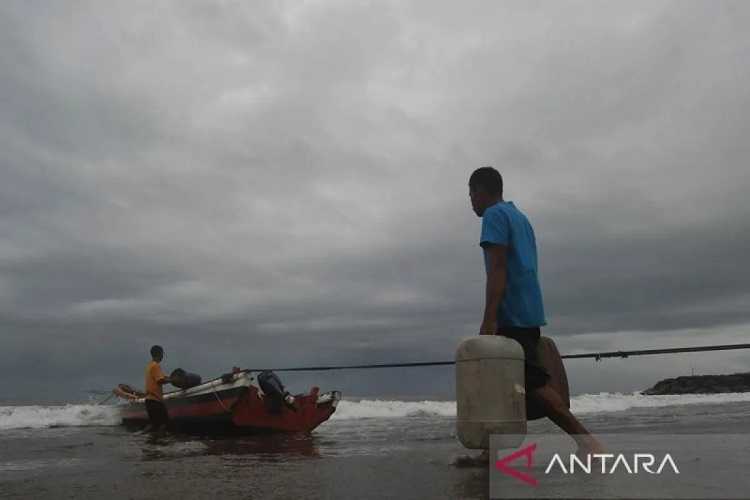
(370, 449)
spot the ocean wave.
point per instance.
(580, 405)
(72, 415)
(79, 415)
(378, 408)
(615, 401)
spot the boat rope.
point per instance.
(597, 356)
(218, 398)
(106, 399)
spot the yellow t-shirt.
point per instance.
(153, 375)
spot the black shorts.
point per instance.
(157, 413)
(536, 374)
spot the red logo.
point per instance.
(528, 452)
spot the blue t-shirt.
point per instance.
(521, 306)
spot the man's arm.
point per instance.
(496, 277)
(159, 376)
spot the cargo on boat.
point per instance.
(239, 400)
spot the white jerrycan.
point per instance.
(490, 394)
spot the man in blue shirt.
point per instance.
(513, 297)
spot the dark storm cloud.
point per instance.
(285, 183)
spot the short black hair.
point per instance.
(156, 350)
(488, 179)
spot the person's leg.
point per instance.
(543, 394)
(162, 416)
(558, 412)
(153, 418)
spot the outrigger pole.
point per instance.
(598, 356)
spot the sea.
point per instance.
(370, 448)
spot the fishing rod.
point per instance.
(597, 356)
(645, 352)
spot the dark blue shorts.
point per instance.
(536, 375)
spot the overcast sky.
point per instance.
(285, 183)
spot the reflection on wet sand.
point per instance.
(262, 447)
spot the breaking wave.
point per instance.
(377, 408)
(609, 402)
(583, 404)
(79, 415)
(36, 417)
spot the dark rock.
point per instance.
(702, 384)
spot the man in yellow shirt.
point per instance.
(155, 378)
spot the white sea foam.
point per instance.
(35, 417)
(377, 408)
(20, 417)
(585, 403)
(608, 402)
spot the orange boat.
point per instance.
(235, 401)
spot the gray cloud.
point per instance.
(286, 183)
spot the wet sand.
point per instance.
(407, 457)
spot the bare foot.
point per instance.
(590, 446)
(480, 460)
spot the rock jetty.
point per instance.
(702, 384)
